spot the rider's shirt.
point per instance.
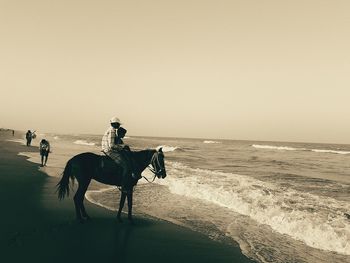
(108, 139)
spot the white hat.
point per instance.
(115, 119)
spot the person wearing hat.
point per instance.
(108, 139)
(114, 147)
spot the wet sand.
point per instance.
(35, 226)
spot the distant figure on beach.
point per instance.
(114, 147)
(13, 132)
(29, 137)
(44, 151)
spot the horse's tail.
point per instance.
(63, 184)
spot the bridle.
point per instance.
(154, 164)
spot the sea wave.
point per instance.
(211, 142)
(317, 221)
(83, 142)
(286, 148)
(330, 151)
(166, 148)
(90, 193)
(258, 146)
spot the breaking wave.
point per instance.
(286, 148)
(83, 142)
(317, 221)
(258, 146)
(167, 148)
(211, 142)
(330, 151)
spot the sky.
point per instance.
(270, 70)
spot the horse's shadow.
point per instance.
(122, 242)
(124, 237)
(127, 237)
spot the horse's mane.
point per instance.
(143, 156)
(143, 153)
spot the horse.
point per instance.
(87, 166)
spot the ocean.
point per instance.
(279, 201)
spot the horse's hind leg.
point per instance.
(78, 201)
(77, 208)
(121, 205)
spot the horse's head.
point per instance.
(157, 163)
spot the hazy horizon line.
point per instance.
(190, 138)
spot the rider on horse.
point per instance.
(114, 147)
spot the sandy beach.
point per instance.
(35, 226)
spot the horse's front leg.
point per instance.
(129, 195)
(121, 205)
(83, 212)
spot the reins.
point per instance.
(154, 177)
(152, 163)
(154, 158)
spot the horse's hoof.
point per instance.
(87, 218)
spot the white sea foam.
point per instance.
(83, 142)
(317, 221)
(93, 200)
(275, 147)
(286, 148)
(330, 151)
(56, 137)
(211, 142)
(167, 148)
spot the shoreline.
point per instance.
(36, 226)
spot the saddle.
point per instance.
(110, 170)
(108, 166)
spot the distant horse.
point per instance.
(87, 166)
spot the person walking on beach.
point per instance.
(29, 137)
(44, 151)
(113, 146)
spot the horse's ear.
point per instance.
(160, 149)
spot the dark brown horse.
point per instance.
(87, 166)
